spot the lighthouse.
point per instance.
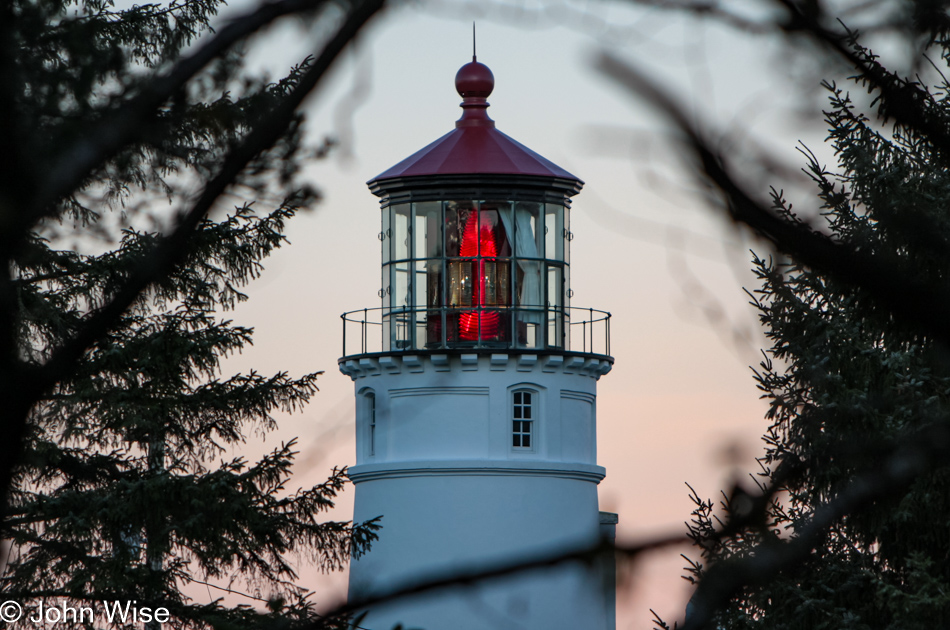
(476, 389)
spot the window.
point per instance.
(371, 403)
(369, 409)
(464, 273)
(522, 420)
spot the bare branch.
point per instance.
(923, 306)
(713, 9)
(125, 126)
(434, 582)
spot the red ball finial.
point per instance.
(474, 79)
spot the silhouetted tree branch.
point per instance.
(25, 198)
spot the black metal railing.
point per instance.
(570, 329)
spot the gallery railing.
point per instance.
(571, 329)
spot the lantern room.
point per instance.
(475, 236)
(475, 272)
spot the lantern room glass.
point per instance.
(475, 273)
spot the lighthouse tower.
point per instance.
(476, 389)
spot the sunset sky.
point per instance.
(680, 405)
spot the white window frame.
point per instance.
(368, 417)
(517, 409)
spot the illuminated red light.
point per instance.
(474, 239)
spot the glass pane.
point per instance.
(401, 232)
(421, 284)
(461, 282)
(528, 276)
(567, 232)
(387, 235)
(554, 329)
(386, 284)
(529, 241)
(452, 327)
(402, 330)
(567, 286)
(493, 287)
(468, 232)
(528, 327)
(554, 232)
(482, 325)
(555, 313)
(428, 230)
(457, 214)
(433, 280)
(526, 440)
(400, 291)
(555, 297)
(434, 329)
(495, 229)
(421, 333)
(566, 332)
(495, 324)
(527, 400)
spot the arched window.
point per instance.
(523, 416)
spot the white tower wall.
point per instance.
(435, 460)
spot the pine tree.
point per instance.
(849, 384)
(125, 488)
(119, 496)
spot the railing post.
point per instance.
(364, 331)
(591, 310)
(343, 317)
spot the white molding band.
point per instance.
(469, 468)
(429, 391)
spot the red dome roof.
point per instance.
(475, 146)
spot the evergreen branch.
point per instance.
(911, 457)
(172, 9)
(904, 101)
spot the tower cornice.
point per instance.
(370, 364)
